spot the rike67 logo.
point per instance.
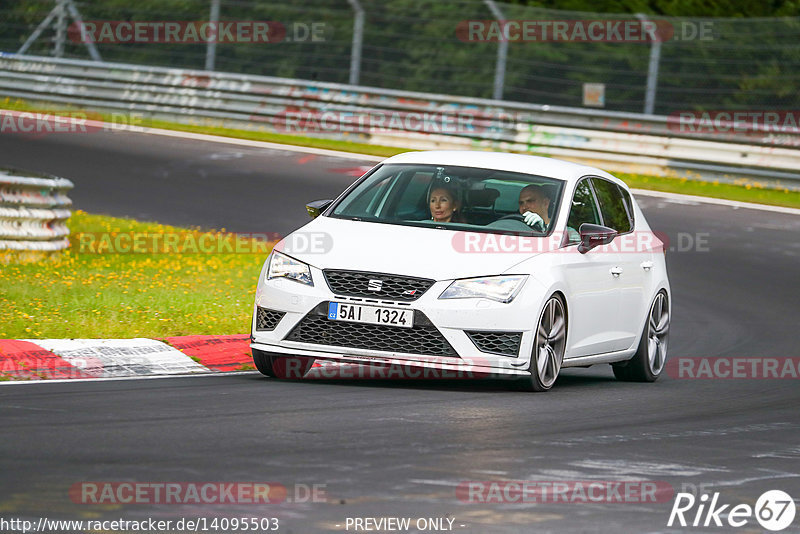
(774, 510)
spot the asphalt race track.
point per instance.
(399, 448)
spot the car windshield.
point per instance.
(453, 197)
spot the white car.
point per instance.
(499, 289)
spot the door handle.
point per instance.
(616, 271)
(647, 265)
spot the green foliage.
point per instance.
(741, 62)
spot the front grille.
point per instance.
(267, 319)
(357, 284)
(503, 343)
(423, 338)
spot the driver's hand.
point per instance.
(533, 219)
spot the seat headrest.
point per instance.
(483, 197)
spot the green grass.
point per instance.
(745, 192)
(73, 294)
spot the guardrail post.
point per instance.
(652, 70)
(60, 39)
(211, 46)
(502, 52)
(76, 17)
(61, 29)
(358, 38)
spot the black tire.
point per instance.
(279, 366)
(552, 339)
(646, 366)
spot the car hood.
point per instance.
(329, 243)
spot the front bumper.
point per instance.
(451, 319)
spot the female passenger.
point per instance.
(444, 204)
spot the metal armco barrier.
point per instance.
(617, 141)
(33, 211)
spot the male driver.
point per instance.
(534, 206)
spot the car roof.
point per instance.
(541, 166)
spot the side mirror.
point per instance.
(594, 235)
(315, 208)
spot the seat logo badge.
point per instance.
(375, 285)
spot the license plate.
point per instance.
(359, 313)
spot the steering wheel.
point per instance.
(517, 217)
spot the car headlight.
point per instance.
(282, 266)
(499, 288)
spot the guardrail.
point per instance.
(623, 142)
(33, 211)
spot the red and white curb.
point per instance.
(43, 359)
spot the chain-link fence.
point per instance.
(452, 47)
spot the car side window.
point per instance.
(413, 203)
(368, 201)
(583, 210)
(612, 205)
